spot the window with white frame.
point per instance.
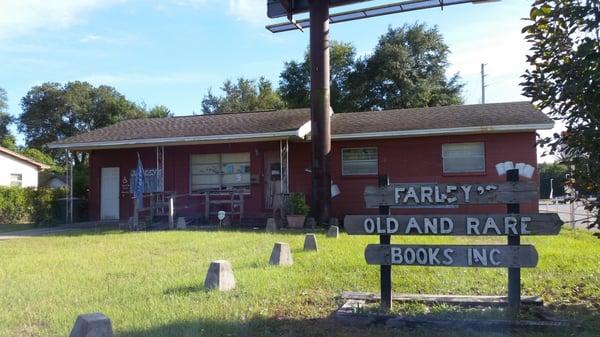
(220, 172)
(463, 157)
(16, 179)
(359, 161)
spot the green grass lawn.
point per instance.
(5, 228)
(150, 283)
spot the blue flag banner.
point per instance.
(153, 180)
(138, 184)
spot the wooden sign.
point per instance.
(455, 224)
(444, 195)
(485, 256)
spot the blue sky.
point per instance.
(171, 51)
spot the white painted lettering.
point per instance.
(479, 256)
(472, 226)
(439, 197)
(493, 260)
(446, 225)
(466, 190)
(411, 193)
(413, 224)
(369, 225)
(391, 225)
(450, 190)
(398, 194)
(409, 256)
(448, 260)
(422, 256)
(469, 257)
(380, 229)
(490, 223)
(524, 223)
(431, 225)
(396, 255)
(510, 223)
(426, 194)
(433, 256)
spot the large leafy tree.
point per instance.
(158, 111)
(52, 111)
(294, 83)
(407, 69)
(564, 81)
(5, 118)
(243, 96)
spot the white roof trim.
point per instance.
(446, 131)
(302, 132)
(177, 140)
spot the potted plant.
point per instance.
(297, 210)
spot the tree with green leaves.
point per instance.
(294, 83)
(407, 69)
(158, 111)
(6, 138)
(243, 96)
(555, 173)
(52, 111)
(564, 81)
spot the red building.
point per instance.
(261, 154)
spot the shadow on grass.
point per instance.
(77, 232)
(112, 229)
(185, 290)
(263, 327)
(318, 327)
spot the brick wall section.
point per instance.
(404, 160)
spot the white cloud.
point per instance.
(148, 79)
(252, 11)
(113, 38)
(20, 17)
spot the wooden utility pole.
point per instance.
(319, 109)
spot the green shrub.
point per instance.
(297, 205)
(19, 205)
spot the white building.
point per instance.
(18, 170)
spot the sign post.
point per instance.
(512, 224)
(514, 274)
(385, 270)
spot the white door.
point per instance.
(109, 193)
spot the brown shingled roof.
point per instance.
(442, 117)
(457, 119)
(248, 123)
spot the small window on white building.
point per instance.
(463, 157)
(220, 172)
(359, 161)
(16, 179)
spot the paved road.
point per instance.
(53, 230)
(564, 211)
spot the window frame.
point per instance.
(18, 182)
(221, 173)
(344, 174)
(471, 172)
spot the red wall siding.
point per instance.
(415, 160)
(404, 160)
(177, 174)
